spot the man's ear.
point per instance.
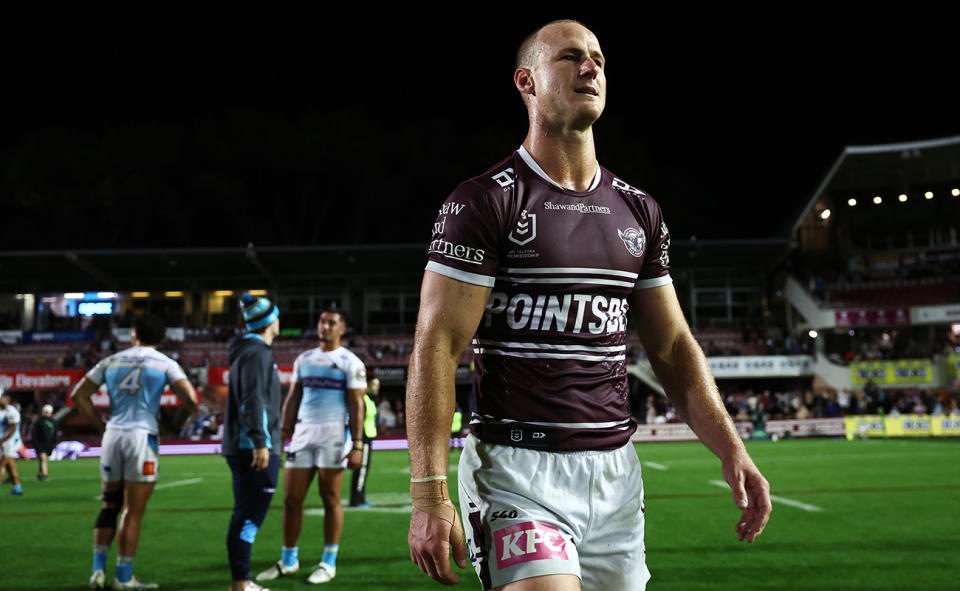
(523, 79)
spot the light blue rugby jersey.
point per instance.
(135, 379)
(326, 376)
(9, 416)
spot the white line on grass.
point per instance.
(776, 499)
(653, 465)
(406, 469)
(179, 483)
(166, 485)
(373, 509)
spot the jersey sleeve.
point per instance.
(297, 363)
(656, 264)
(97, 374)
(174, 372)
(466, 236)
(357, 375)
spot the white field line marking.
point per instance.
(373, 509)
(653, 465)
(776, 499)
(179, 483)
(166, 485)
(406, 469)
(807, 458)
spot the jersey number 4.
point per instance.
(130, 384)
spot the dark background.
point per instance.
(290, 124)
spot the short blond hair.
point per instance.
(527, 50)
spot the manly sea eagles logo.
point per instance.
(526, 229)
(634, 239)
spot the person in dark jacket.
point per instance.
(44, 435)
(251, 440)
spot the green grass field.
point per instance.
(887, 519)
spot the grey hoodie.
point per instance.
(253, 398)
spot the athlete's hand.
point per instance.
(354, 457)
(751, 493)
(261, 459)
(430, 539)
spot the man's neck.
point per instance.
(568, 157)
(327, 347)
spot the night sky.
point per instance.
(288, 124)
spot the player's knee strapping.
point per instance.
(432, 497)
(108, 515)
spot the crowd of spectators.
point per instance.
(889, 344)
(806, 404)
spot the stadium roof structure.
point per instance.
(288, 268)
(887, 170)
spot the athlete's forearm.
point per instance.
(431, 399)
(355, 409)
(86, 409)
(685, 375)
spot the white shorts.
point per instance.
(317, 445)
(11, 447)
(528, 513)
(129, 454)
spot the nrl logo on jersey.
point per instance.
(634, 239)
(526, 229)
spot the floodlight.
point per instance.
(851, 202)
(878, 200)
(825, 214)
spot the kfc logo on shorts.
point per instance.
(528, 541)
(149, 468)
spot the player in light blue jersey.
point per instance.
(328, 386)
(135, 379)
(9, 441)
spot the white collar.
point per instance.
(529, 161)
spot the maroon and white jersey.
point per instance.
(551, 347)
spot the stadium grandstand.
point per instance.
(856, 310)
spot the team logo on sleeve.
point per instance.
(634, 239)
(504, 178)
(526, 229)
(624, 187)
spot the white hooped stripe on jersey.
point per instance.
(654, 282)
(585, 280)
(624, 424)
(566, 270)
(517, 345)
(465, 276)
(573, 356)
(529, 161)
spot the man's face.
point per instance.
(375, 386)
(4, 401)
(274, 328)
(569, 82)
(330, 328)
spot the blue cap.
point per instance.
(258, 312)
